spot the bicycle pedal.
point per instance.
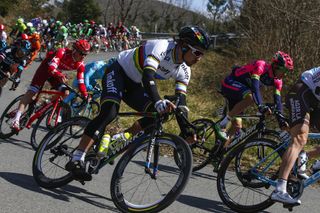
(290, 206)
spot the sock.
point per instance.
(18, 115)
(281, 186)
(223, 123)
(78, 155)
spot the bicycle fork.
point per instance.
(153, 147)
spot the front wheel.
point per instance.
(133, 189)
(238, 187)
(48, 121)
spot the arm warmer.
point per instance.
(149, 84)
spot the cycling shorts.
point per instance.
(117, 86)
(234, 91)
(300, 101)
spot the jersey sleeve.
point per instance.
(155, 54)
(80, 77)
(258, 70)
(55, 61)
(277, 94)
(182, 79)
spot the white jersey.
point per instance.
(312, 79)
(160, 56)
(3, 36)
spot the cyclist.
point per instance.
(18, 29)
(242, 88)
(50, 69)
(3, 37)
(93, 71)
(131, 78)
(35, 46)
(13, 60)
(304, 112)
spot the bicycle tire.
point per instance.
(138, 147)
(7, 116)
(202, 151)
(40, 130)
(54, 145)
(245, 177)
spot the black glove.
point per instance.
(263, 108)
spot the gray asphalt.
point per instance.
(20, 193)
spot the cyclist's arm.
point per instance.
(255, 88)
(54, 63)
(277, 94)
(80, 77)
(149, 83)
(88, 75)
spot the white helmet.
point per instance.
(45, 22)
(29, 24)
(100, 25)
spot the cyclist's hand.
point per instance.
(192, 139)
(264, 109)
(164, 106)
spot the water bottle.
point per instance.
(104, 145)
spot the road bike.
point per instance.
(249, 172)
(152, 172)
(47, 106)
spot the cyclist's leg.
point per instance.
(298, 101)
(112, 90)
(37, 82)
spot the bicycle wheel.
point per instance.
(6, 118)
(201, 151)
(132, 189)
(48, 121)
(54, 153)
(238, 188)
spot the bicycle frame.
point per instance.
(284, 145)
(45, 107)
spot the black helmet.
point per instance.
(195, 36)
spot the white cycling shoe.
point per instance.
(284, 198)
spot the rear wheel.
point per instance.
(55, 151)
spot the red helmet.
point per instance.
(24, 36)
(92, 22)
(82, 46)
(1, 27)
(283, 60)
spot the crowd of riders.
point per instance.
(134, 73)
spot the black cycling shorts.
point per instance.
(300, 101)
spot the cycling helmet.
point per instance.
(92, 22)
(195, 36)
(1, 27)
(45, 22)
(20, 21)
(29, 24)
(25, 46)
(24, 36)
(82, 46)
(282, 59)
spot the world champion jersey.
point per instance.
(160, 56)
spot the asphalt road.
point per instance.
(20, 193)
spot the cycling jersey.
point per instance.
(312, 79)
(8, 58)
(247, 78)
(160, 56)
(60, 60)
(3, 36)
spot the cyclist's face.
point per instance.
(193, 55)
(78, 56)
(280, 72)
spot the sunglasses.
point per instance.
(195, 51)
(82, 54)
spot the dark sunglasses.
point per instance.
(195, 51)
(83, 54)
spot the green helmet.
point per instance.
(20, 21)
(64, 29)
(58, 23)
